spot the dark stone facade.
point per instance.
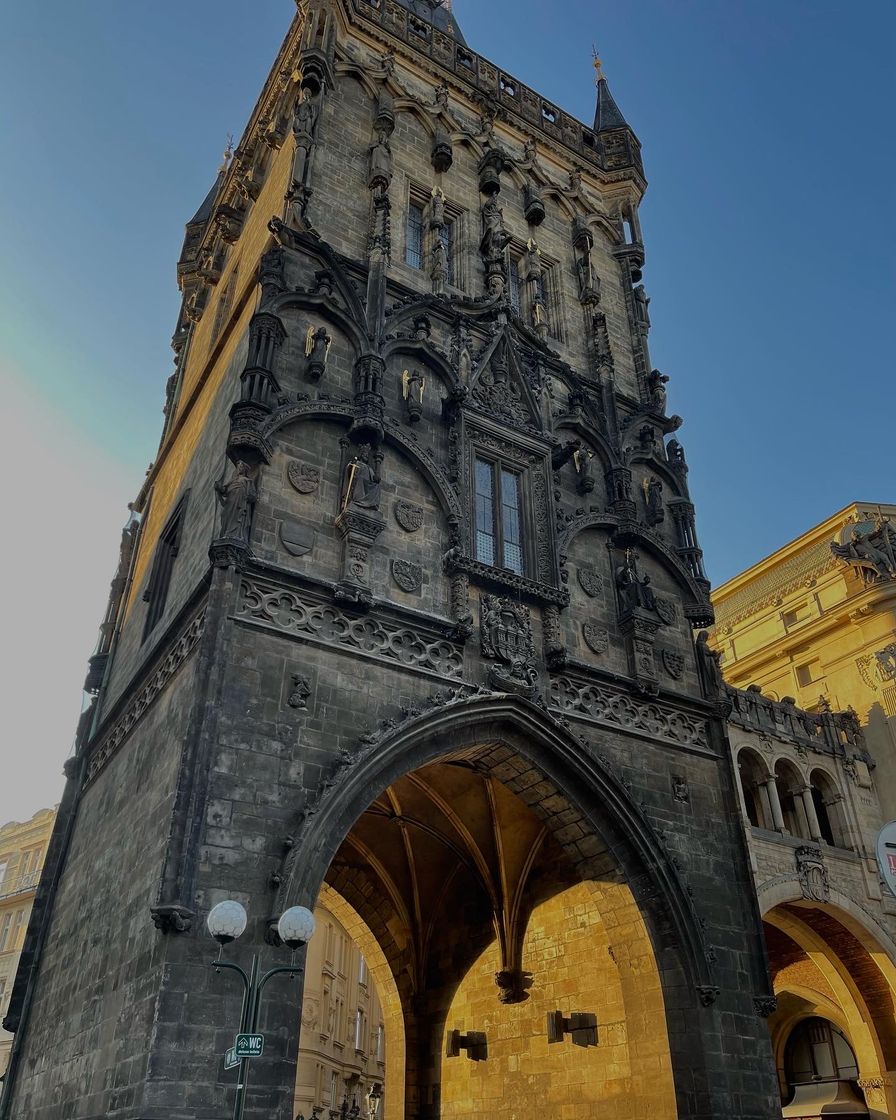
(351, 626)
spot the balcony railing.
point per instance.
(15, 884)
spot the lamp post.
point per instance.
(226, 922)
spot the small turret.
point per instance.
(196, 226)
(618, 143)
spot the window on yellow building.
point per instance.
(809, 673)
(5, 924)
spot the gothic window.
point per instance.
(156, 593)
(818, 1051)
(498, 505)
(413, 244)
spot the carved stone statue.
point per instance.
(586, 274)
(362, 487)
(237, 498)
(641, 301)
(437, 208)
(709, 666)
(317, 347)
(653, 499)
(304, 122)
(675, 453)
(656, 386)
(582, 458)
(532, 266)
(871, 549)
(438, 272)
(413, 384)
(634, 590)
(494, 234)
(379, 175)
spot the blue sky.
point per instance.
(769, 227)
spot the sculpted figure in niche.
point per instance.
(634, 590)
(709, 665)
(380, 174)
(237, 498)
(494, 234)
(653, 499)
(641, 301)
(532, 264)
(586, 274)
(582, 458)
(675, 453)
(317, 347)
(304, 122)
(656, 386)
(413, 383)
(437, 208)
(439, 271)
(362, 487)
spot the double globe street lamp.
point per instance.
(226, 922)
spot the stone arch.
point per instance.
(661, 468)
(552, 750)
(325, 309)
(593, 438)
(608, 843)
(858, 975)
(643, 538)
(826, 795)
(790, 783)
(393, 435)
(427, 353)
(752, 774)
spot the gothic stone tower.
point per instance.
(408, 625)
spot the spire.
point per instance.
(607, 115)
(204, 212)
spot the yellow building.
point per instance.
(808, 638)
(342, 1054)
(22, 851)
(816, 621)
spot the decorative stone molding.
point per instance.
(165, 669)
(279, 608)
(708, 994)
(172, 919)
(456, 561)
(613, 708)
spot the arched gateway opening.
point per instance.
(523, 966)
(834, 1030)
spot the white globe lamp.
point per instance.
(296, 926)
(226, 921)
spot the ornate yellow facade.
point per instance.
(818, 624)
(23, 847)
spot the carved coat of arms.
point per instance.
(506, 636)
(303, 477)
(673, 663)
(813, 874)
(665, 608)
(408, 576)
(408, 516)
(590, 581)
(597, 638)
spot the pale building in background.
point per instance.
(342, 1048)
(23, 847)
(818, 623)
